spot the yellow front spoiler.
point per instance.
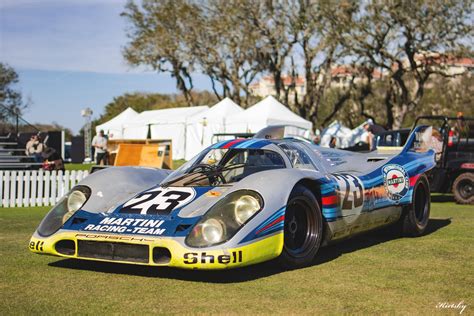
(181, 257)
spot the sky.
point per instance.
(68, 57)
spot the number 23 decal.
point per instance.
(158, 201)
(351, 191)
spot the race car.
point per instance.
(239, 202)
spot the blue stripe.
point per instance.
(331, 210)
(259, 144)
(245, 143)
(325, 189)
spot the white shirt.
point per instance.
(101, 142)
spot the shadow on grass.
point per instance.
(442, 198)
(325, 254)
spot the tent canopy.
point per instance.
(266, 112)
(218, 113)
(203, 125)
(172, 115)
(164, 124)
(114, 127)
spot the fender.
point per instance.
(112, 186)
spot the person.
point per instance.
(99, 142)
(437, 143)
(52, 160)
(317, 140)
(332, 142)
(460, 128)
(373, 130)
(35, 148)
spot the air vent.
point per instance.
(375, 159)
(161, 255)
(113, 251)
(79, 220)
(66, 247)
(182, 227)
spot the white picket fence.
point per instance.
(36, 188)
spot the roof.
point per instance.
(118, 121)
(166, 116)
(218, 112)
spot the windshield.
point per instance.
(222, 166)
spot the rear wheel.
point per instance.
(303, 229)
(416, 216)
(463, 188)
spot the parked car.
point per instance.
(237, 203)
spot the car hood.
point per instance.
(158, 211)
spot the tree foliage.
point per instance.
(236, 42)
(409, 41)
(11, 102)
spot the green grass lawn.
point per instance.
(78, 166)
(81, 166)
(373, 273)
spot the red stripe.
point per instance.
(327, 200)
(235, 141)
(279, 219)
(413, 180)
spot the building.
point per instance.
(341, 77)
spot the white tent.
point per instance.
(114, 127)
(203, 125)
(163, 124)
(266, 112)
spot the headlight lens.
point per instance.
(75, 200)
(225, 218)
(63, 210)
(212, 230)
(245, 207)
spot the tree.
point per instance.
(11, 102)
(320, 52)
(409, 41)
(226, 49)
(158, 33)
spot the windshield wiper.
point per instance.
(167, 184)
(213, 173)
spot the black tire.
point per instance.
(303, 229)
(463, 188)
(415, 217)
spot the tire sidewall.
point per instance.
(456, 193)
(288, 261)
(412, 226)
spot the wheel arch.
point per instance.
(314, 186)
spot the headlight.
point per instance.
(245, 207)
(225, 218)
(63, 210)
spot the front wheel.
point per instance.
(416, 215)
(463, 188)
(303, 229)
